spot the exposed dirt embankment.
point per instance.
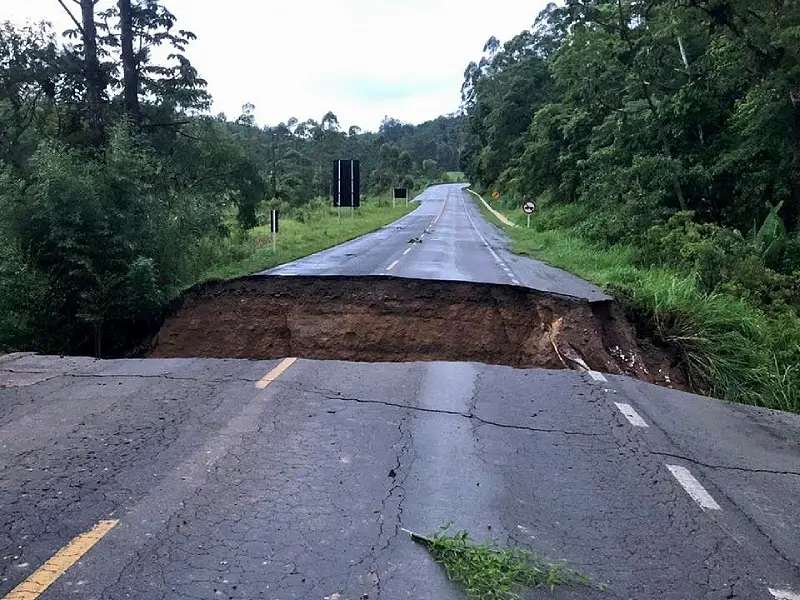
(385, 319)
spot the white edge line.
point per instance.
(693, 487)
(497, 259)
(634, 418)
(392, 266)
(784, 594)
(598, 376)
(515, 282)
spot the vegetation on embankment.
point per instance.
(730, 345)
(118, 190)
(314, 228)
(661, 143)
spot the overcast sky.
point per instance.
(362, 59)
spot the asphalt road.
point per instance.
(229, 479)
(457, 243)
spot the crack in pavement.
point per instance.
(724, 467)
(789, 561)
(455, 413)
(396, 490)
(130, 376)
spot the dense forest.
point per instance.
(118, 189)
(660, 139)
(667, 132)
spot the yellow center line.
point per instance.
(46, 575)
(275, 373)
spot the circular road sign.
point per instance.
(495, 195)
(529, 207)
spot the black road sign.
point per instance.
(346, 183)
(400, 193)
(273, 221)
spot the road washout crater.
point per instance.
(387, 319)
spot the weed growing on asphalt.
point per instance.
(487, 572)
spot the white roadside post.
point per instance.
(352, 189)
(339, 188)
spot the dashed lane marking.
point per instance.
(784, 594)
(275, 373)
(598, 376)
(491, 250)
(693, 487)
(422, 235)
(515, 282)
(441, 212)
(49, 572)
(630, 413)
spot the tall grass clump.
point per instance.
(729, 347)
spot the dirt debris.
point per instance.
(385, 319)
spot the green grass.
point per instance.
(317, 231)
(730, 348)
(455, 176)
(487, 572)
(489, 215)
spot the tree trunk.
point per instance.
(793, 216)
(129, 68)
(688, 68)
(95, 79)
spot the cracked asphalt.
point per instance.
(300, 490)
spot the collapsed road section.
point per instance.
(384, 319)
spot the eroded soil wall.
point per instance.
(389, 319)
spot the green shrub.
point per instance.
(729, 347)
(723, 260)
(95, 245)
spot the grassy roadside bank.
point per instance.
(730, 347)
(301, 234)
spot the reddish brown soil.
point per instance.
(385, 319)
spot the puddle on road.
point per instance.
(384, 319)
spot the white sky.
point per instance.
(362, 59)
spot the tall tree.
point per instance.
(130, 68)
(95, 79)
